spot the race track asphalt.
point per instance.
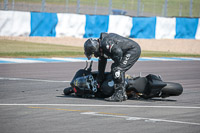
(32, 101)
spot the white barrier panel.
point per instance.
(120, 24)
(165, 28)
(198, 31)
(70, 25)
(14, 23)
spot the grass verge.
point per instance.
(20, 49)
(9, 48)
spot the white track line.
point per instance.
(21, 60)
(158, 59)
(68, 59)
(188, 58)
(118, 115)
(100, 105)
(25, 79)
(139, 118)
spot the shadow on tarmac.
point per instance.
(102, 99)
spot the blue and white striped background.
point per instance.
(15, 23)
(54, 60)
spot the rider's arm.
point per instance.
(101, 68)
(112, 49)
(102, 35)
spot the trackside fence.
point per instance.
(149, 8)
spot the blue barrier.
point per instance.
(43, 24)
(186, 28)
(90, 26)
(95, 24)
(143, 27)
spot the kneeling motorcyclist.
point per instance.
(123, 51)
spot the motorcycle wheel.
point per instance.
(172, 89)
(68, 90)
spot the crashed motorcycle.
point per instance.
(84, 84)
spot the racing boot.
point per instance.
(119, 95)
(125, 97)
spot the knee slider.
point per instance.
(117, 74)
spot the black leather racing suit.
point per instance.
(123, 51)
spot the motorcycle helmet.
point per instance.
(91, 46)
(84, 86)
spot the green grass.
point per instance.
(9, 48)
(166, 54)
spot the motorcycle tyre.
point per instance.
(172, 89)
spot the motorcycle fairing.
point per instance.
(154, 86)
(137, 84)
(147, 87)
